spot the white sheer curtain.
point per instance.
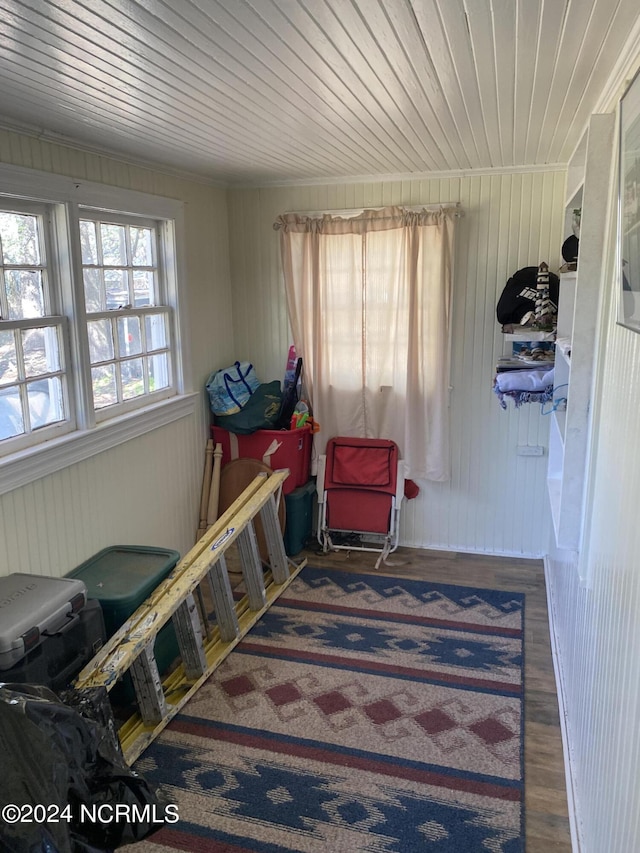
(369, 304)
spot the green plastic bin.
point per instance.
(299, 518)
(122, 577)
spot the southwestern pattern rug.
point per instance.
(362, 713)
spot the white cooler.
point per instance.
(33, 607)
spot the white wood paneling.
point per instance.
(147, 490)
(142, 493)
(252, 92)
(495, 502)
(597, 622)
(595, 595)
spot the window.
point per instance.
(33, 380)
(369, 300)
(90, 326)
(127, 322)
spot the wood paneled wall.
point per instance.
(596, 611)
(146, 491)
(496, 501)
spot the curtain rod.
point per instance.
(356, 211)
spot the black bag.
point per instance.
(259, 412)
(519, 295)
(65, 753)
(289, 400)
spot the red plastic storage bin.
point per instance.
(277, 448)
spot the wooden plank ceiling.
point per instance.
(264, 91)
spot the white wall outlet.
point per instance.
(530, 450)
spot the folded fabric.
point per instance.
(521, 397)
(524, 380)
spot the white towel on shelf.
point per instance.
(525, 380)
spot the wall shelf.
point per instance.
(588, 178)
(531, 335)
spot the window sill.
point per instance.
(24, 467)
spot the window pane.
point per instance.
(93, 290)
(11, 421)
(45, 402)
(143, 288)
(129, 335)
(141, 247)
(114, 247)
(116, 284)
(121, 274)
(103, 379)
(155, 328)
(158, 372)
(8, 358)
(19, 235)
(24, 293)
(132, 378)
(88, 242)
(40, 351)
(100, 340)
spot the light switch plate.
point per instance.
(530, 450)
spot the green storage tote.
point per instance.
(299, 518)
(122, 577)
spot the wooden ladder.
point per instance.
(203, 643)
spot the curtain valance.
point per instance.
(378, 219)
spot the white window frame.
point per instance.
(112, 315)
(52, 318)
(88, 434)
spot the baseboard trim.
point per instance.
(556, 657)
(452, 549)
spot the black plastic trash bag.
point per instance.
(33, 773)
(65, 756)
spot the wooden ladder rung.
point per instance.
(188, 627)
(222, 595)
(275, 544)
(251, 565)
(148, 686)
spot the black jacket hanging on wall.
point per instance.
(519, 295)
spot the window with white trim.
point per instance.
(34, 400)
(91, 347)
(128, 321)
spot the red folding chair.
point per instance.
(360, 489)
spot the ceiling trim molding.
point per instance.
(625, 69)
(403, 176)
(196, 177)
(52, 138)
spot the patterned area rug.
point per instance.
(362, 713)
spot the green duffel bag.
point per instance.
(259, 412)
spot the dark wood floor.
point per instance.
(547, 823)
